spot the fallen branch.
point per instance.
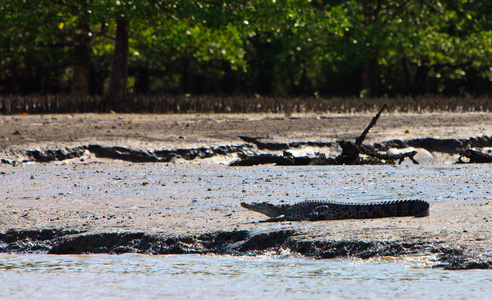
(391, 158)
(474, 156)
(350, 153)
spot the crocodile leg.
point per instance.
(278, 219)
(322, 212)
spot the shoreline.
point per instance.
(237, 243)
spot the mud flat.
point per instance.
(91, 203)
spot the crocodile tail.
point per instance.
(421, 208)
(386, 209)
(399, 208)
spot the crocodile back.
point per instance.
(397, 208)
(304, 209)
(327, 210)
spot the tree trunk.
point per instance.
(142, 82)
(116, 95)
(421, 82)
(80, 80)
(82, 56)
(370, 81)
(264, 64)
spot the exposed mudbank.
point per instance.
(196, 208)
(241, 242)
(253, 152)
(450, 146)
(118, 153)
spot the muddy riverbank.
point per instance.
(91, 203)
(164, 138)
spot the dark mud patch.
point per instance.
(163, 155)
(253, 152)
(282, 146)
(117, 153)
(450, 146)
(240, 242)
(29, 241)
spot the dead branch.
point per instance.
(389, 157)
(362, 137)
(474, 156)
(350, 153)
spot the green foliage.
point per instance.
(276, 47)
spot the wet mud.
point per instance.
(228, 242)
(117, 153)
(256, 152)
(178, 208)
(169, 185)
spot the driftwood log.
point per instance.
(474, 156)
(351, 153)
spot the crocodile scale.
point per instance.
(315, 210)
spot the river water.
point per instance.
(132, 276)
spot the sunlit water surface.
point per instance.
(209, 277)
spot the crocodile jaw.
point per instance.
(268, 209)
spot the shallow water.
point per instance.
(209, 277)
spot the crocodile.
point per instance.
(314, 210)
